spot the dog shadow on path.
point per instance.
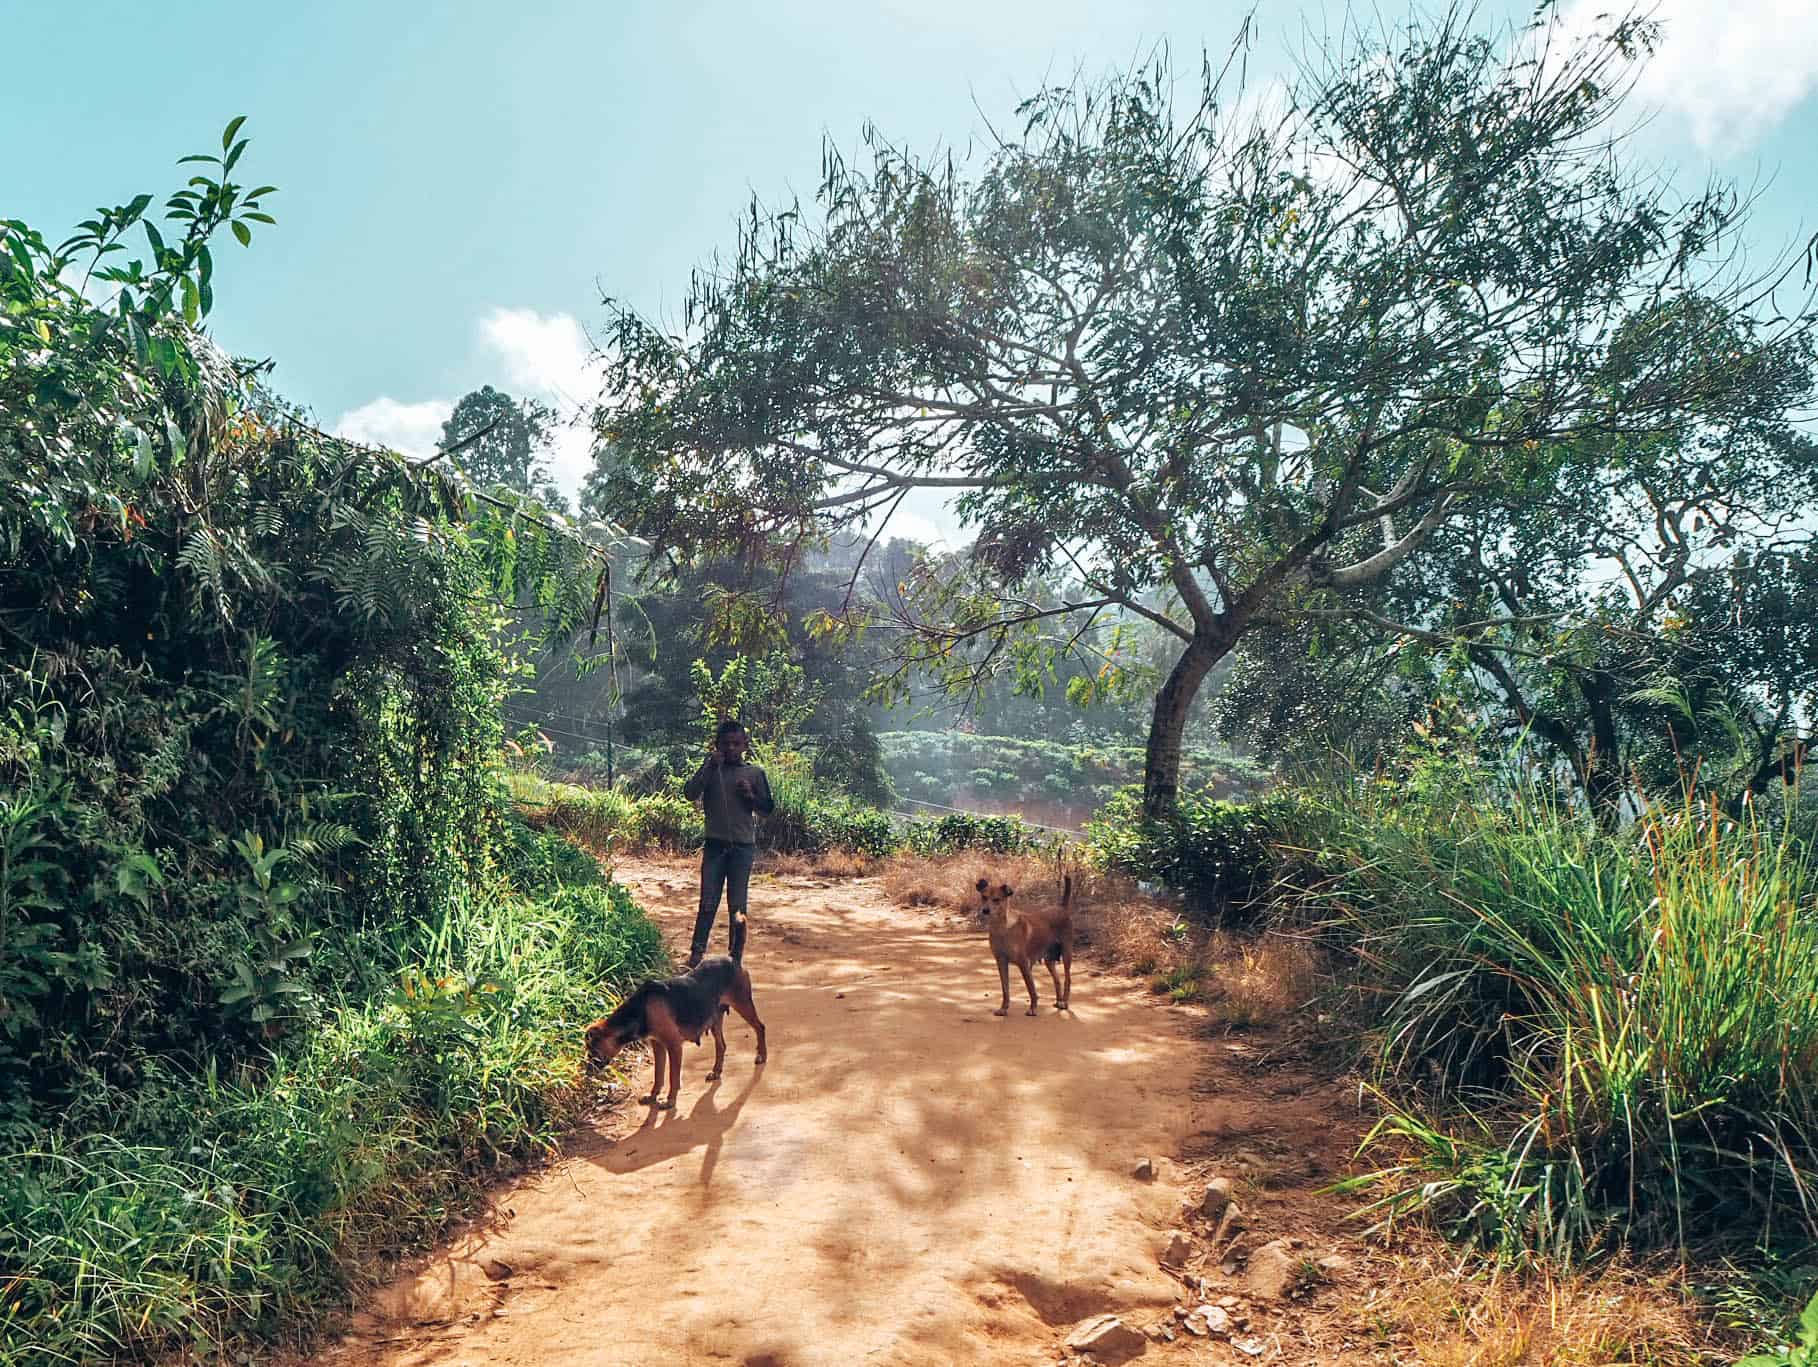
(665, 1135)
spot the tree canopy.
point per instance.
(1210, 368)
(500, 441)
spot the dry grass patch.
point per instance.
(950, 882)
(1431, 1314)
(1249, 981)
(831, 864)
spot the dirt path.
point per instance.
(909, 1180)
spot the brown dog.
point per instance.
(672, 1010)
(1021, 938)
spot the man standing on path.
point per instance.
(732, 793)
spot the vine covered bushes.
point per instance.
(279, 970)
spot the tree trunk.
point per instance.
(1161, 765)
(1604, 783)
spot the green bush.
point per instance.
(1622, 1029)
(957, 831)
(264, 1191)
(807, 822)
(272, 993)
(1224, 858)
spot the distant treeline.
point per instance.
(964, 769)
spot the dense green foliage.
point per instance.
(280, 975)
(1585, 1037)
(1224, 858)
(959, 831)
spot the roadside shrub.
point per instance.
(271, 995)
(805, 822)
(957, 831)
(267, 1193)
(1588, 1038)
(610, 819)
(666, 821)
(1222, 857)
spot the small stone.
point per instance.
(1215, 1320)
(1229, 1302)
(1229, 1223)
(1271, 1275)
(1145, 1170)
(1180, 1248)
(1254, 1347)
(1194, 1325)
(495, 1270)
(1217, 1198)
(1106, 1336)
(1335, 1265)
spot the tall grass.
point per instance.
(1586, 1037)
(267, 1194)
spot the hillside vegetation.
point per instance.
(281, 974)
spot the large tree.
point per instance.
(1214, 368)
(1652, 617)
(500, 441)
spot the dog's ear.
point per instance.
(1006, 891)
(984, 884)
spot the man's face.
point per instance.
(733, 745)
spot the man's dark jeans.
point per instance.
(726, 866)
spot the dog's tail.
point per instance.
(1066, 892)
(738, 937)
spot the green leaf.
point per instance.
(144, 457)
(156, 239)
(233, 156)
(1808, 1325)
(242, 232)
(192, 303)
(233, 127)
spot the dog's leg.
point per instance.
(1067, 963)
(675, 1076)
(1060, 998)
(1029, 983)
(719, 1044)
(659, 1052)
(1003, 978)
(747, 1008)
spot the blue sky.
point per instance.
(460, 180)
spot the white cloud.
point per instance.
(548, 356)
(412, 428)
(542, 354)
(1727, 72)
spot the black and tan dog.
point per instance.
(1021, 938)
(670, 1011)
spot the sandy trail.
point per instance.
(908, 1180)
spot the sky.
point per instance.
(461, 182)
